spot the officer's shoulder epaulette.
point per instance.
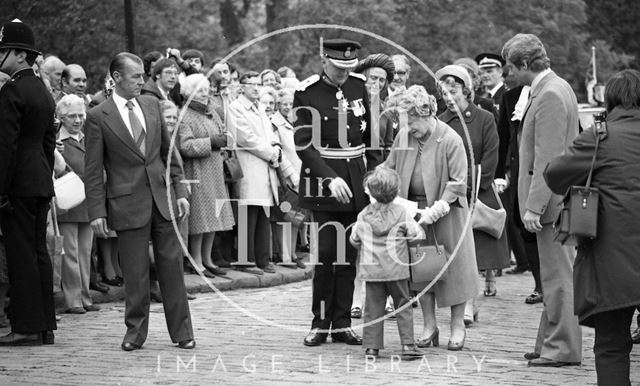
(359, 76)
(308, 82)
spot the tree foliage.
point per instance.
(90, 32)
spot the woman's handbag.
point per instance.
(69, 191)
(231, 166)
(427, 259)
(578, 218)
(288, 199)
(485, 218)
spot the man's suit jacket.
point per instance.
(27, 137)
(508, 133)
(134, 182)
(549, 126)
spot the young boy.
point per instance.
(382, 234)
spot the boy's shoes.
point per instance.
(373, 352)
(411, 352)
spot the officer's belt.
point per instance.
(342, 153)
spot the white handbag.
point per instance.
(69, 191)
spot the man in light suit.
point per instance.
(126, 137)
(548, 127)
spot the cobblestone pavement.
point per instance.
(234, 348)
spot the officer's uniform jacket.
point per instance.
(326, 155)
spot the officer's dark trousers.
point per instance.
(30, 271)
(333, 284)
(612, 346)
(530, 246)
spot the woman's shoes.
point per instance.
(490, 289)
(356, 313)
(215, 270)
(470, 319)
(426, 342)
(457, 346)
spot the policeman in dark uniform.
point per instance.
(332, 135)
(27, 141)
(491, 74)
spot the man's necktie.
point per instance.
(136, 127)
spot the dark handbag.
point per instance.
(231, 166)
(427, 259)
(485, 218)
(288, 210)
(578, 219)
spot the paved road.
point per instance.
(234, 348)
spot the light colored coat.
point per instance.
(444, 172)
(254, 135)
(550, 124)
(382, 235)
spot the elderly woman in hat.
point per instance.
(201, 135)
(491, 253)
(379, 72)
(431, 161)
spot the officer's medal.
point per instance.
(358, 107)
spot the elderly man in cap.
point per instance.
(27, 142)
(491, 74)
(333, 130)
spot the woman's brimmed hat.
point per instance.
(17, 35)
(377, 60)
(456, 71)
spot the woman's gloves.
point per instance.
(432, 214)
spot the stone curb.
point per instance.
(196, 284)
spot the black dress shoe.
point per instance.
(222, 263)
(546, 362)
(112, 282)
(535, 297)
(635, 336)
(97, 286)
(517, 270)
(531, 355)
(347, 336)
(156, 296)
(14, 339)
(187, 344)
(315, 338)
(92, 308)
(48, 337)
(372, 352)
(129, 346)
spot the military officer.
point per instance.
(333, 140)
(27, 141)
(491, 74)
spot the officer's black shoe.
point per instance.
(347, 336)
(315, 338)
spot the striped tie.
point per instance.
(136, 127)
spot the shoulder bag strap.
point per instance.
(600, 131)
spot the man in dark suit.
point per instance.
(549, 125)
(126, 137)
(27, 142)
